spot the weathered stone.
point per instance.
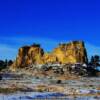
(49, 58)
(28, 55)
(73, 52)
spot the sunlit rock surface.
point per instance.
(28, 55)
(73, 52)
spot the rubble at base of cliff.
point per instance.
(51, 70)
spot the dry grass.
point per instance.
(98, 88)
(51, 88)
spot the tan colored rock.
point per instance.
(49, 58)
(28, 55)
(73, 52)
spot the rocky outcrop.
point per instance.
(50, 58)
(73, 52)
(28, 55)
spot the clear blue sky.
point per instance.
(48, 22)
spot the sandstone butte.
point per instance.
(72, 52)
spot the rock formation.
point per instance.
(49, 58)
(73, 52)
(28, 55)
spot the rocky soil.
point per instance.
(18, 84)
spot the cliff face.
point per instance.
(28, 55)
(49, 58)
(72, 52)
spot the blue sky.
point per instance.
(48, 22)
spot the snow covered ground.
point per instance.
(45, 96)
